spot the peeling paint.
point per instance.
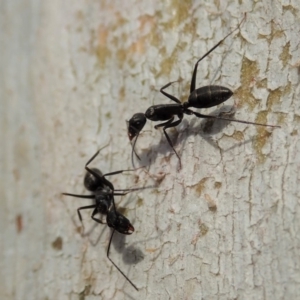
(249, 72)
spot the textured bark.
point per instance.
(225, 226)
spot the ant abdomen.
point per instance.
(91, 182)
(119, 222)
(209, 96)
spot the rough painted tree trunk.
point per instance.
(225, 226)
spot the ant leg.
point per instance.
(95, 219)
(169, 140)
(170, 124)
(107, 254)
(121, 194)
(193, 81)
(80, 196)
(121, 171)
(84, 207)
(127, 191)
(109, 174)
(168, 95)
(133, 189)
(163, 124)
(232, 120)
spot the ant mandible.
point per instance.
(103, 195)
(203, 97)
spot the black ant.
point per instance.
(203, 97)
(103, 195)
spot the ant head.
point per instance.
(91, 182)
(135, 125)
(118, 222)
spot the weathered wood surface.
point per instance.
(226, 226)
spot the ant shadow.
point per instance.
(130, 254)
(206, 129)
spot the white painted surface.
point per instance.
(72, 73)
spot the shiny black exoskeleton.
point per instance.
(102, 189)
(103, 193)
(203, 97)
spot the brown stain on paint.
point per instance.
(19, 223)
(200, 186)
(249, 72)
(102, 50)
(238, 136)
(285, 56)
(57, 244)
